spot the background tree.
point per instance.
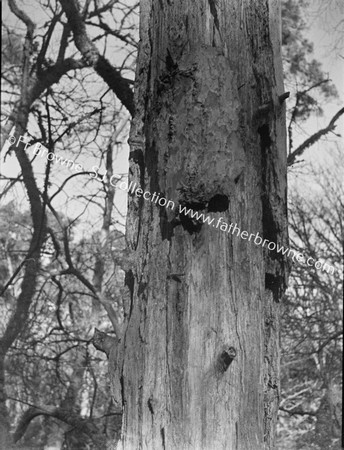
(311, 390)
(312, 325)
(55, 292)
(308, 83)
(52, 371)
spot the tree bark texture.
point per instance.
(208, 134)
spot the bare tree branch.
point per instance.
(114, 33)
(294, 412)
(58, 413)
(104, 69)
(298, 97)
(314, 138)
(49, 77)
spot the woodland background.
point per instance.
(56, 381)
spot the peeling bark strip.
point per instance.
(204, 69)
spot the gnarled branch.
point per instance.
(89, 51)
(314, 138)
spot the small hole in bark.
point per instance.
(162, 433)
(237, 179)
(264, 133)
(166, 227)
(150, 406)
(121, 380)
(191, 224)
(218, 203)
(195, 206)
(274, 283)
(225, 359)
(129, 281)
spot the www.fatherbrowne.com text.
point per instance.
(216, 223)
(156, 198)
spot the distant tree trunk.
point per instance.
(328, 424)
(208, 134)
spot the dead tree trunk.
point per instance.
(208, 134)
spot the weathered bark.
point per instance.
(200, 139)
